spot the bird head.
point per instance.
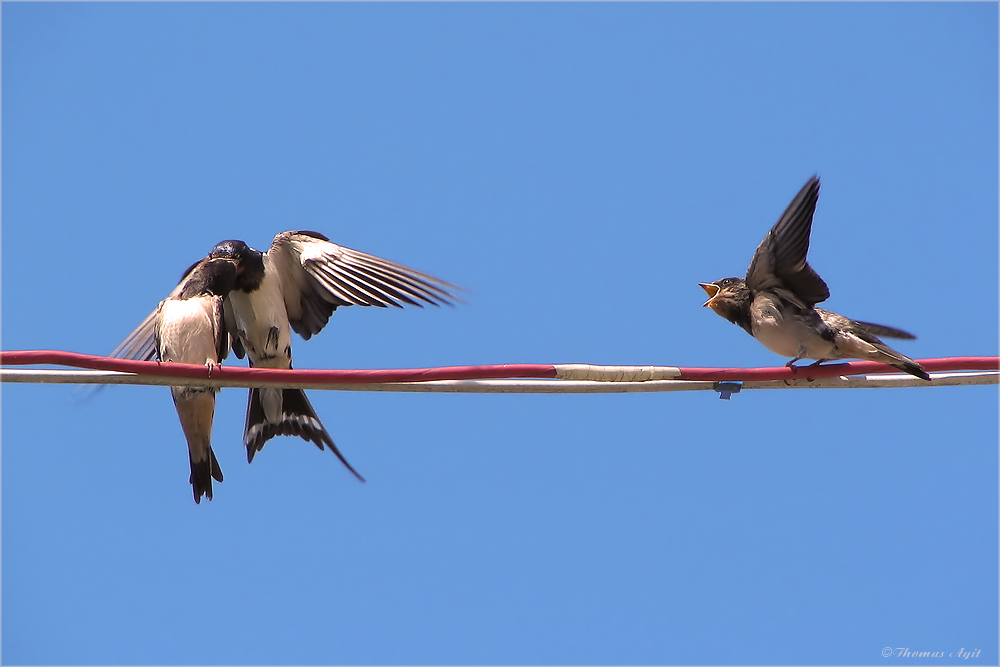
(249, 262)
(216, 276)
(233, 250)
(726, 296)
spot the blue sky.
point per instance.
(579, 168)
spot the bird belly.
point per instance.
(267, 335)
(263, 324)
(187, 333)
(786, 333)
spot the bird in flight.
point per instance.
(776, 302)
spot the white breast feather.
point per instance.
(260, 310)
(188, 332)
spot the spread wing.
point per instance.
(780, 260)
(318, 276)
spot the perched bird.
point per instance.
(189, 327)
(295, 286)
(776, 301)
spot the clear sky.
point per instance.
(579, 168)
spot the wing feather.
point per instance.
(141, 343)
(338, 292)
(391, 287)
(419, 285)
(888, 332)
(229, 320)
(780, 260)
(222, 339)
(318, 276)
(363, 293)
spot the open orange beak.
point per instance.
(712, 290)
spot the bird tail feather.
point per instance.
(297, 418)
(908, 365)
(202, 474)
(900, 361)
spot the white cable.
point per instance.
(505, 386)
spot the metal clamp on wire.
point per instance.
(727, 389)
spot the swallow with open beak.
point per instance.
(776, 301)
(295, 286)
(189, 327)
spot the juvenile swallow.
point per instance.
(189, 327)
(776, 301)
(295, 286)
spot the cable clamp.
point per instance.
(727, 389)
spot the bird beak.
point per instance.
(711, 289)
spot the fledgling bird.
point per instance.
(776, 301)
(189, 327)
(295, 286)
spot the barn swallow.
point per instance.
(776, 301)
(295, 286)
(189, 327)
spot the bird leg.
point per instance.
(802, 352)
(800, 355)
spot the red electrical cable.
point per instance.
(171, 369)
(496, 371)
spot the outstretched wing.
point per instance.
(780, 260)
(318, 276)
